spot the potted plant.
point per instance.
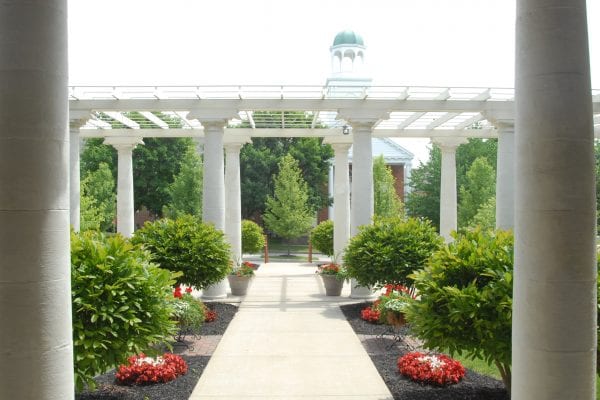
(190, 313)
(333, 276)
(239, 279)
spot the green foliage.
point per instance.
(389, 250)
(424, 198)
(98, 199)
(479, 187)
(186, 190)
(387, 202)
(253, 237)
(259, 162)
(288, 214)
(121, 303)
(486, 215)
(321, 237)
(199, 251)
(465, 298)
(189, 313)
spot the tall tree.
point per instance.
(288, 214)
(186, 190)
(479, 187)
(387, 202)
(99, 202)
(259, 161)
(486, 215)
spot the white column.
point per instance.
(448, 203)
(35, 268)
(407, 174)
(233, 208)
(330, 190)
(554, 291)
(75, 216)
(341, 199)
(362, 189)
(213, 202)
(125, 204)
(505, 178)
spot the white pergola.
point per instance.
(545, 153)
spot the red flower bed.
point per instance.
(432, 369)
(209, 315)
(370, 314)
(144, 370)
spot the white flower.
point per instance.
(433, 361)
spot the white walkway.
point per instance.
(290, 341)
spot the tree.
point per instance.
(186, 190)
(479, 187)
(288, 214)
(259, 161)
(424, 198)
(99, 202)
(486, 216)
(387, 202)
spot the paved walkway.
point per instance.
(289, 341)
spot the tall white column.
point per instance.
(505, 178)
(341, 199)
(213, 202)
(448, 202)
(362, 189)
(125, 204)
(330, 190)
(233, 208)
(76, 121)
(554, 290)
(35, 268)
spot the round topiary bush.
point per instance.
(389, 250)
(321, 237)
(465, 299)
(253, 237)
(122, 303)
(199, 251)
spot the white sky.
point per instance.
(193, 42)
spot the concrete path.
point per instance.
(289, 341)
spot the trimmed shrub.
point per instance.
(199, 251)
(121, 303)
(253, 237)
(321, 237)
(389, 250)
(465, 299)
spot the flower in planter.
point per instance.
(142, 370)
(333, 269)
(251, 265)
(431, 369)
(189, 314)
(371, 314)
(243, 270)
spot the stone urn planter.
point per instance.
(333, 285)
(239, 284)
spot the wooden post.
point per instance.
(309, 251)
(266, 249)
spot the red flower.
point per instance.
(141, 370)
(370, 314)
(432, 369)
(188, 290)
(177, 292)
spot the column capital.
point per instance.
(342, 139)
(77, 119)
(123, 143)
(360, 118)
(231, 142)
(500, 119)
(449, 143)
(214, 117)
(341, 147)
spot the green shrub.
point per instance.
(321, 237)
(253, 237)
(465, 299)
(199, 251)
(121, 303)
(389, 250)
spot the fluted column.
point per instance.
(213, 202)
(74, 181)
(505, 178)
(341, 199)
(554, 290)
(125, 204)
(448, 199)
(35, 268)
(233, 208)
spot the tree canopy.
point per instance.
(480, 186)
(386, 200)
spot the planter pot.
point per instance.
(239, 284)
(333, 285)
(396, 319)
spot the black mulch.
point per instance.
(179, 389)
(472, 387)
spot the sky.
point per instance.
(459, 43)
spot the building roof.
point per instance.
(392, 152)
(348, 38)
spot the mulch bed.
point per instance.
(384, 353)
(182, 387)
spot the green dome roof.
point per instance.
(348, 37)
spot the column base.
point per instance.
(216, 291)
(360, 292)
